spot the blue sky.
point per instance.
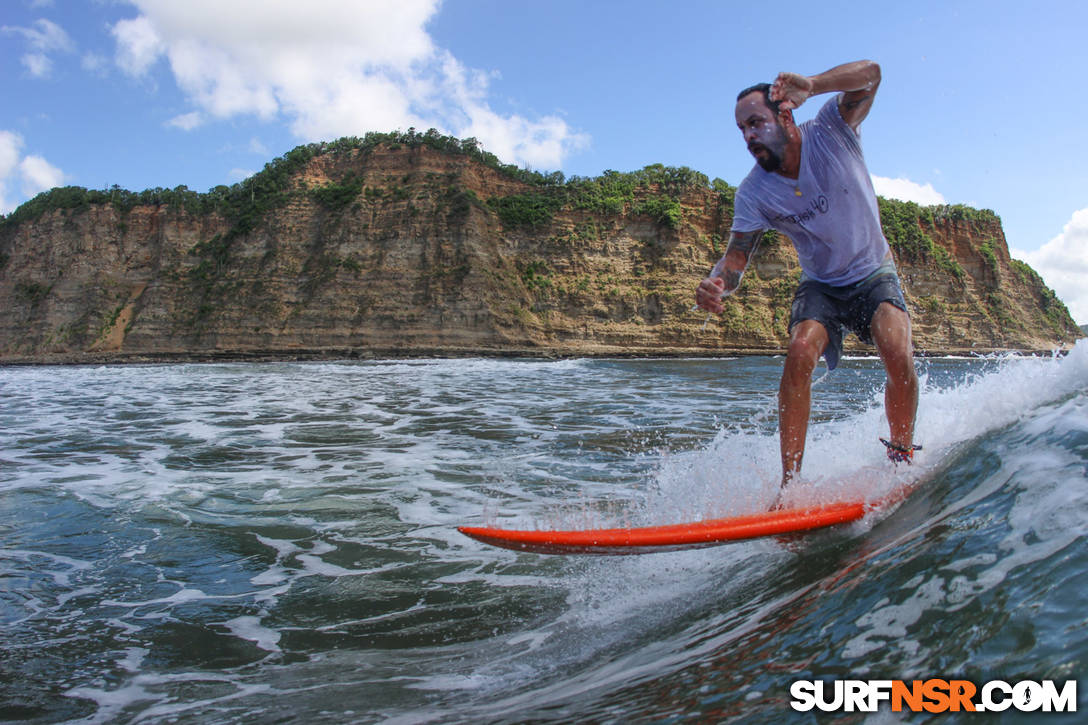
(978, 105)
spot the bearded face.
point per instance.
(763, 134)
(769, 155)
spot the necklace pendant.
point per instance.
(797, 191)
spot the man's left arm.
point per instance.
(857, 82)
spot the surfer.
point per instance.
(810, 183)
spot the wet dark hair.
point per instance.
(765, 89)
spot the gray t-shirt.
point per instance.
(834, 222)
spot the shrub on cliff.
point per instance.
(902, 225)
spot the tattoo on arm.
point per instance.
(738, 254)
(744, 242)
(731, 278)
(851, 105)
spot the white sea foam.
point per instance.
(251, 628)
(183, 595)
(739, 471)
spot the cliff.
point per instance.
(416, 244)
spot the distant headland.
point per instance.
(418, 244)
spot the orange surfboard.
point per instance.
(672, 536)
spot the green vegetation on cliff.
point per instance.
(268, 188)
(904, 224)
(1053, 309)
(247, 201)
(653, 191)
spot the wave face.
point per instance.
(246, 542)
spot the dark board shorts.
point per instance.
(845, 309)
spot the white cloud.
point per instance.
(10, 143)
(907, 190)
(138, 45)
(94, 63)
(330, 68)
(9, 161)
(33, 174)
(38, 64)
(1063, 264)
(39, 175)
(43, 39)
(187, 121)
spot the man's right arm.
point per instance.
(725, 278)
(857, 81)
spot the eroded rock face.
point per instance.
(400, 250)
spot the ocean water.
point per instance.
(244, 543)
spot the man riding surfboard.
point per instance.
(810, 183)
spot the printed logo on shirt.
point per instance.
(818, 205)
